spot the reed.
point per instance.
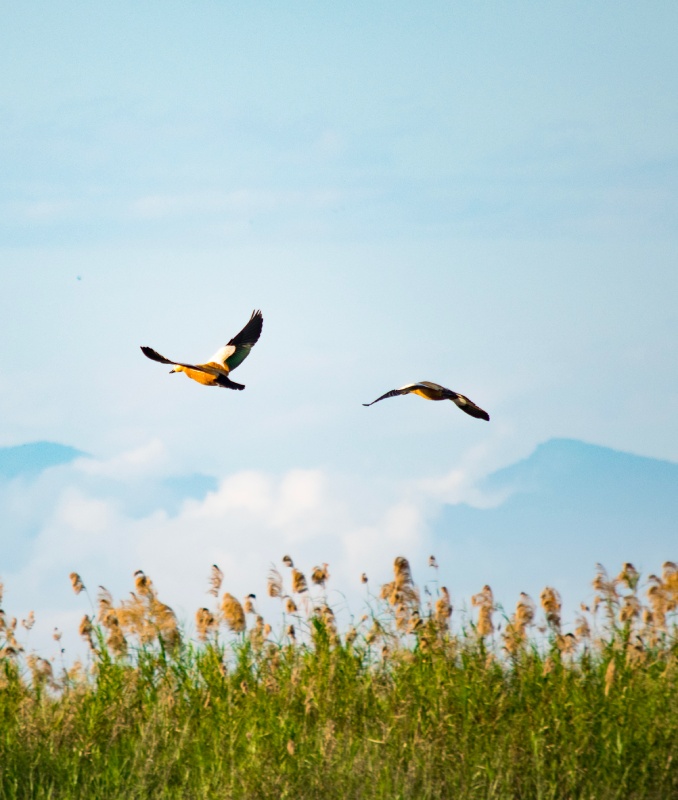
(408, 702)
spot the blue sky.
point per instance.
(482, 195)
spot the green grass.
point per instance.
(433, 715)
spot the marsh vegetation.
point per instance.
(406, 702)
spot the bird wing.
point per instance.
(469, 406)
(392, 393)
(237, 350)
(149, 352)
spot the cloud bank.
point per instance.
(107, 518)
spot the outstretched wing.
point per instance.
(236, 351)
(392, 393)
(469, 406)
(149, 352)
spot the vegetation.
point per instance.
(401, 705)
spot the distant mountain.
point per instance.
(569, 505)
(33, 458)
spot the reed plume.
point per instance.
(484, 602)
(443, 609)
(551, 605)
(515, 635)
(299, 584)
(320, 575)
(274, 583)
(29, 622)
(233, 613)
(215, 580)
(205, 623)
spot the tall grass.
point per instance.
(401, 705)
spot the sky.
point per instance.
(482, 195)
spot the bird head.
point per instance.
(176, 368)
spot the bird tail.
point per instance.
(227, 383)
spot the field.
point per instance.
(408, 703)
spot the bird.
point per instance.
(433, 391)
(215, 372)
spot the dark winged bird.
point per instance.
(433, 391)
(215, 372)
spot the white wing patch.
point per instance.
(223, 353)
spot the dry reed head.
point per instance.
(290, 606)
(325, 614)
(484, 601)
(258, 633)
(606, 588)
(115, 639)
(631, 609)
(629, 576)
(41, 670)
(583, 629)
(291, 633)
(415, 623)
(274, 583)
(432, 562)
(320, 575)
(635, 651)
(205, 623)
(525, 610)
(287, 561)
(386, 591)
(76, 582)
(248, 604)
(670, 580)
(374, 632)
(551, 605)
(105, 605)
(29, 622)
(143, 584)
(443, 609)
(233, 612)
(165, 620)
(402, 572)
(131, 616)
(659, 597)
(298, 582)
(401, 593)
(567, 644)
(215, 580)
(515, 634)
(85, 630)
(363, 578)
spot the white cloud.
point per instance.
(151, 459)
(251, 520)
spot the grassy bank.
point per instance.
(402, 705)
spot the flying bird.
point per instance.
(215, 372)
(433, 391)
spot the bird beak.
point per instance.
(171, 371)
